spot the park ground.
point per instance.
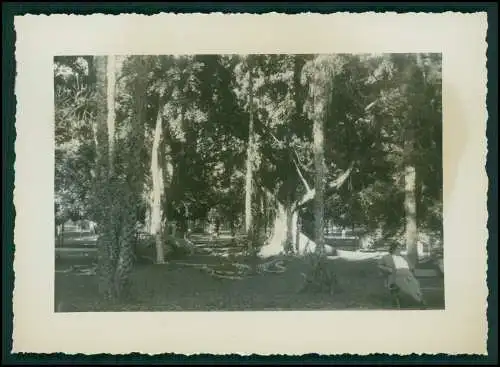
(176, 286)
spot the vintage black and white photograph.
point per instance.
(267, 184)
(248, 182)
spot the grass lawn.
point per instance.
(177, 287)
(72, 239)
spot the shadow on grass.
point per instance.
(177, 287)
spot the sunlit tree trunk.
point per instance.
(410, 206)
(279, 232)
(289, 239)
(61, 235)
(250, 160)
(283, 228)
(297, 233)
(319, 178)
(301, 242)
(413, 70)
(100, 64)
(157, 191)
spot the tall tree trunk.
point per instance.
(103, 203)
(157, 190)
(91, 78)
(319, 181)
(290, 230)
(298, 223)
(410, 205)
(100, 64)
(111, 114)
(250, 160)
(125, 239)
(129, 194)
(138, 133)
(410, 178)
(61, 236)
(92, 84)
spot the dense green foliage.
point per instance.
(371, 102)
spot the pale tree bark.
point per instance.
(250, 160)
(290, 221)
(296, 244)
(283, 225)
(94, 135)
(111, 115)
(61, 235)
(91, 83)
(157, 190)
(410, 205)
(410, 177)
(319, 182)
(284, 229)
(100, 64)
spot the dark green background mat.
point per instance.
(9, 10)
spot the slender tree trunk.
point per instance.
(94, 135)
(61, 236)
(265, 212)
(297, 233)
(410, 205)
(138, 132)
(250, 160)
(129, 193)
(100, 64)
(92, 83)
(319, 181)
(91, 79)
(111, 114)
(103, 204)
(410, 175)
(147, 217)
(157, 191)
(321, 276)
(290, 231)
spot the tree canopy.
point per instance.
(370, 105)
